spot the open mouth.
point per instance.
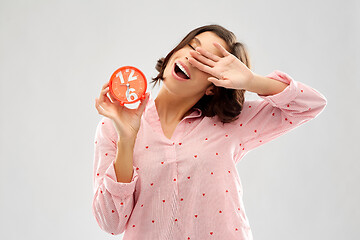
(179, 72)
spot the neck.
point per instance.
(173, 108)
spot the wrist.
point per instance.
(123, 141)
(251, 83)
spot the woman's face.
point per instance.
(197, 85)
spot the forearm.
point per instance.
(265, 86)
(124, 161)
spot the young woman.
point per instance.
(167, 170)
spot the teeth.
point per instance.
(183, 69)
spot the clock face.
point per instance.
(128, 85)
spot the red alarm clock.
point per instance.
(128, 85)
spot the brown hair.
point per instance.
(226, 103)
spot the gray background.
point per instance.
(56, 55)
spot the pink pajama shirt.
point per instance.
(188, 187)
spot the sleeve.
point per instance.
(264, 120)
(113, 201)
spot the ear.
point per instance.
(210, 90)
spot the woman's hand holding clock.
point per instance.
(126, 121)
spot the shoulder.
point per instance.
(106, 128)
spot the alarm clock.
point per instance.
(128, 85)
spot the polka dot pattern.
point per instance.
(188, 185)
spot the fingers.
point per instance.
(105, 85)
(103, 101)
(97, 106)
(220, 83)
(201, 66)
(143, 102)
(202, 58)
(103, 95)
(208, 54)
(99, 109)
(113, 99)
(104, 89)
(222, 49)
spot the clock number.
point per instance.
(132, 96)
(119, 75)
(130, 78)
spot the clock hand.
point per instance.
(127, 89)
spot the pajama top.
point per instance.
(188, 187)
